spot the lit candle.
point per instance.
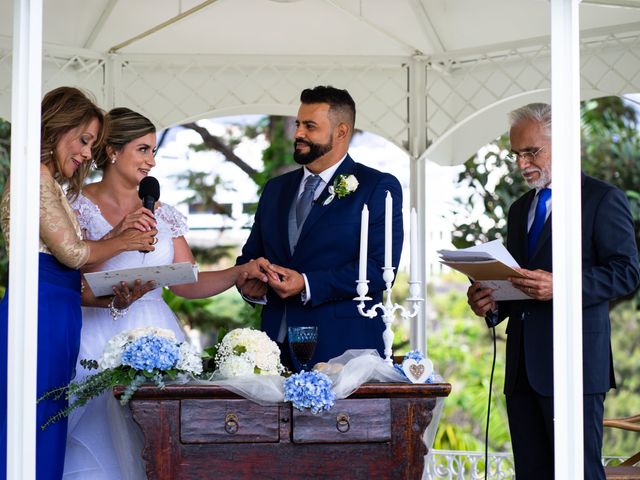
(413, 246)
(364, 238)
(388, 216)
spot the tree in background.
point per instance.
(610, 151)
(228, 310)
(5, 163)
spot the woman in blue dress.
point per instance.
(71, 126)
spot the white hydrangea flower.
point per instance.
(190, 359)
(255, 347)
(235, 366)
(142, 331)
(112, 355)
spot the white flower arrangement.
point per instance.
(130, 358)
(342, 186)
(245, 351)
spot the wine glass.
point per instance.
(303, 341)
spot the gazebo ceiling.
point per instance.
(423, 72)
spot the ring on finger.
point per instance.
(154, 241)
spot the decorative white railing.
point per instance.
(461, 465)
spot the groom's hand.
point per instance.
(288, 283)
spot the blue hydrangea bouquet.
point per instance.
(130, 358)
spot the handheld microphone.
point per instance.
(149, 192)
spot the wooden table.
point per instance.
(201, 432)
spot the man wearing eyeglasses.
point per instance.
(609, 271)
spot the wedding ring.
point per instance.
(155, 240)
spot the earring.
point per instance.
(51, 152)
(113, 160)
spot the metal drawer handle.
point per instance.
(231, 423)
(342, 422)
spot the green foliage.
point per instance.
(461, 349)
(212, 315)
(279, 154)
(610, 151)
(5, 164)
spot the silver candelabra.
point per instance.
(388, 308)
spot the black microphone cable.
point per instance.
(486, 432)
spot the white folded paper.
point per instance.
(490, 264)
(102, 283)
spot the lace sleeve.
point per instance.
(175, 220)
(58, 228)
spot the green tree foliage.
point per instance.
(5, 163)
(229, 310)
(461, 349)
(610, 151)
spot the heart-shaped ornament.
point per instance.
(417, 372)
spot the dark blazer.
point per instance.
(327, 252)
(609, 270)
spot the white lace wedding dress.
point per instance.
(102, 441)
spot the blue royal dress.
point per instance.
(59, 323)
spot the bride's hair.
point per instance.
(122, 125)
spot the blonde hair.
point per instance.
(122, 125)
(64, 109)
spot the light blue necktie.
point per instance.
(539, 218)
(306, 199)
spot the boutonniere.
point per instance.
(342, 186)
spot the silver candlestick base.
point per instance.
(388, 308)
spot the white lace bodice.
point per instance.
(95, 226)
(171, 224)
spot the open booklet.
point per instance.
(101, 283)
(490, 264)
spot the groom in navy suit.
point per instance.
(609, 271)
(312, 238)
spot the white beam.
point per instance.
(417, 180)
(427, 25)
(97, 28)
(567, 251)
(24, 228)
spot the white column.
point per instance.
(567, 253)
(417, 146)
(24, 228)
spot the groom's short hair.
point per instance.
(342, 108)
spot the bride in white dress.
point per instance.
(101, 442)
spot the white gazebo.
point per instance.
(435, 77)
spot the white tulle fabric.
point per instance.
(359, 366)
(103, 442)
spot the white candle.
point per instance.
(364, 238)
(413, 247)
(388, 216)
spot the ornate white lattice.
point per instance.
(463, 465)
(175, 89)
(172, 92)
(461, 85)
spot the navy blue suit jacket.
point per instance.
(327, 252)
(609, 270)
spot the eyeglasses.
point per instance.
(529, 156)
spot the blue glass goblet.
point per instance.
(302, 342)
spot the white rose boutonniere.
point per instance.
(342, 186)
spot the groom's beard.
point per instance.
(316, 150)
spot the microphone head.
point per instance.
(149, 187)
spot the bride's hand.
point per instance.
(141, 219)
(125, 296)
